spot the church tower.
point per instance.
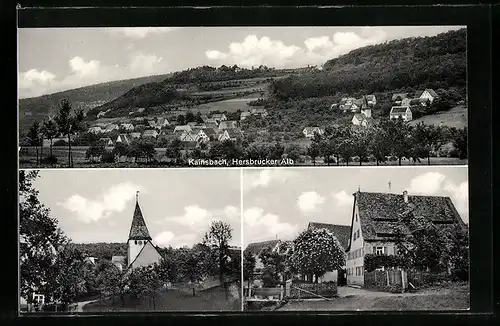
(139, 235)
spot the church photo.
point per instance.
(129, 240)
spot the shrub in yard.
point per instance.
(51, 159)
(453, 153)
(108, 157)
(355, 159)
(392, 159)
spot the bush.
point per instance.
(108, 157)
(51, 159)
(60, 142)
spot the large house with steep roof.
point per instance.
(140, 249)
(401, 112)
(374, 217)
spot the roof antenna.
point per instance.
(390, 186)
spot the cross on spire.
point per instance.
(137, 196)
(359, 188)
(390, 184)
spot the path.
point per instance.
(81, 304)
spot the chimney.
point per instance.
(405, 196)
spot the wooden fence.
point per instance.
(311, 290)
(391, 279)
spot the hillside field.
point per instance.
(456, 117)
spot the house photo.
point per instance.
(356, 240)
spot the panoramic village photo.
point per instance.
(320, 239)
(129, 240)
(242, 96)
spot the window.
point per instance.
(354, 237)
(135, 241)
(379, 250)
(357, 236)
(356, 217)
(361, 270)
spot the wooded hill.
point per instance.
(407, 64)
(39, 108)
(102, 250)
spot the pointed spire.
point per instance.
(138, 229)
(137, 196)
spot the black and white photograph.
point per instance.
(242, 96)
(119, 240)
(321, 239)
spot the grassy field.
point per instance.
(231, 105)
(456, 117)
(450, 297)
(213, 299)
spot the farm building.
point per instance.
(376, 214)
(309, 132)
(150, 133)
(401, 112)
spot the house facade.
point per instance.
(401, 112)
(122, 138)
(428, 94)
(376, 214)
(95, 130)
(152, 133)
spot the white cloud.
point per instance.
(193, 216)
(460, 196)
(260, 226)
(88, 72)
(144, 63)
(232, 212)
(310, 201)
(253, 51)
(140, 32)
(164, 238)
(265, 177)
(111, 201)
(428, 183)
(342, 198)
(84, 69)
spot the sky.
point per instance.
(56, 59)
(177, 205)
(279, 203)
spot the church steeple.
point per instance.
(138, 229)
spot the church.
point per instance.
(140, 249)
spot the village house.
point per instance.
(91, 260)
(309, 132)
(204, 117)
(188, 136)
(135, 135)
(152, 123)
(398, 97)
(229, 134)
(192, 124)
(261, 112)
(127, 126)
(211, 121)
(210, 133)
(371, 99)
(219, 117)
(211, 125)
(150, 133)
(362, 120)
(376, 214)
(162, 122)
(228, 125)
(46, 142)
(140, 249)
(244, 115)
(95, 130)
(426, 95)
(256, 248)
(120, 262)
(342, 233)
(122, 138)
(111, 127)
(181, 129)
(101, 114)
(401, 112)
(106, 141)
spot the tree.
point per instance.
(34, 138)
(218, 237)
(50, 131)
(276, 151)
(426, 139)
(459, 140)
(361, 143)
(39, 238)
(274, 263)
(67, 274)
(144, 283)
(293, 152)
(315, 252)
(313, 151)
(69, 123)
(121, 149)
(379, 145)
(398, 132)
(181, 120)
